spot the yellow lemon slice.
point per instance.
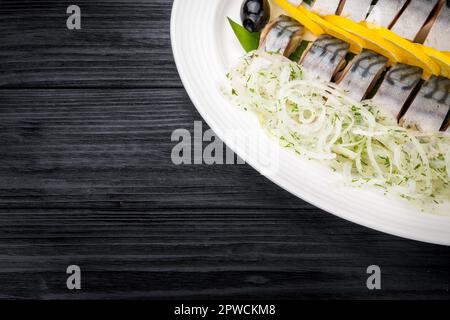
(373, 41)
(303, 19)
(441, 58)
(356, 43)
(410, 54)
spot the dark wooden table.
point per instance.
(86, 178)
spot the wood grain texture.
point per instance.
(86, 178)
(121, 44)
(209, 254)
(112, 148)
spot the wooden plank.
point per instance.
(209, 253)
(121, 44)
(110, 148)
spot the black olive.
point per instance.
(255, 14)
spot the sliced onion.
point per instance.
(319, 121)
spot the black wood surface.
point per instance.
(86, 178)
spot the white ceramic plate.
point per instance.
(204, 48)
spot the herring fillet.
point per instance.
(396, 88)
(324, 57)
(438, 37)
(429, 109)
(282, 35)
(385, 12)
(325, 7)
(295, 2)
(360, 76)
(413, 18)
(356, 10)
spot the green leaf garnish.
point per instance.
(297, 54)
(349, 57)
(248, 40)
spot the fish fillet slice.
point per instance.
(282, 35)
(396, 88)
(324, 57)
(438, 38)
(295, 2)
(362, 74)
(356, 10)
(385, 12)
(429, 109)
(413, 18)
(325, 7)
